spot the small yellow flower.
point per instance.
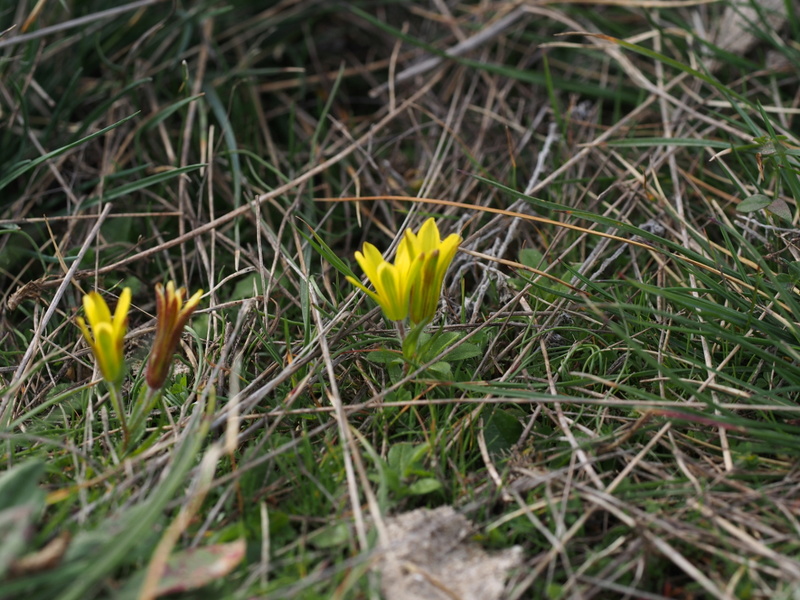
(411, 286)
(107, 341)
(172, 315)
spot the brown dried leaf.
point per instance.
(196, 567)
(44, 559)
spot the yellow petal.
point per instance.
(361, 286)
(369, 261)
(192, 302)
(405, 253)
(85, 330)
(428, 236)
(447, 251)
(121, 312)
(96, 309)
(393, 302)
(108, 353)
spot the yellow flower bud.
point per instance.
(172, 315)
(105, 334)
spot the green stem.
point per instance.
(114, 395)
(411, 342)
(401, 331)
(144, 406)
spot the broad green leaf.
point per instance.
(423, 486)
(780, 209)
(385, 357)
(441, 369)
(502, 431)
(463, 352)
(332, 537)
(19, 486)
(530, 257)
(754, 203)
(401, 457)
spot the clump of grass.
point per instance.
(611, 378)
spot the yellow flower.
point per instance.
(411, 286)
(172, 315)
(107, 341)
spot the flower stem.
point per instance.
(401, 331)
(114, 395)
(144, 406)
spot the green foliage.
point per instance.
(21, 503)
(404, 473)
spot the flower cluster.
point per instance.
(411, 286)
(105, 333)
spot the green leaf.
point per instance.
(794, 268)
(434, 345)
(405, 456)
(220, 111)
(441, 369)
(501, 431)
(163, 114)
(754, 203)
(530, 257)
(21, 502)
(463, 352)
(554, 591)
(649, 142)
(385, 357)
(780, 209)
(134, 186)
(401, 457)
(423, 486)
(19, 486)
(332, 537)
(326, 252)
(139, 521)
